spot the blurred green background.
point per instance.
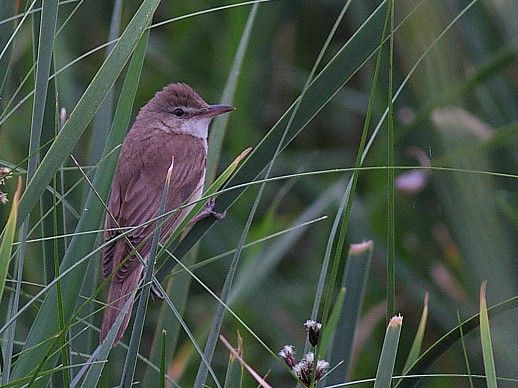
(453, 230)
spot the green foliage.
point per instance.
(406, 140)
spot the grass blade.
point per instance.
(388, 353)
(6, 10)
(87, 105)
(49, 15)
(217, 133)
(355, 281)
(234, 376)
(163, 360)
(415, 350)
(140, 315)
(434, 352)
(391, 249)
(261, 382)
(44, 326)
(344, 210)
(95, 363)
(485, 338)
(465, 352)
(103, 116)
(8, 234)
(335, 74)
(329, 329)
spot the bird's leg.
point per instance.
(208, 210)
(156, 293)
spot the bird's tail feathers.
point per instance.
(120, 292)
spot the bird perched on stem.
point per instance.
(174, 123)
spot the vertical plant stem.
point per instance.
(63, 333)
(162, 360)
(464, 351)
(391, 275)
(344, 210)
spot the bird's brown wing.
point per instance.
(136, 195)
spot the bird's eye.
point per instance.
(178, 112)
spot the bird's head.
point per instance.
(179, 109)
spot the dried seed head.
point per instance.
(304, 369)
(288, 355)
(322, 367)
(3, 198)
(5, 173)
(313, 329)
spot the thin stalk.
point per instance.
(464, 351)
(349, 195)
(63, 337)
(391, 271)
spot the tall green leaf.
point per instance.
(44, 326)
(434, 352)
(87, 105)
(47, 31)
(485, 338)
(388, 353)
(331, 326)
(355, 281)
(415, 350)
(9, 232)
(219, 126)
(6, 10)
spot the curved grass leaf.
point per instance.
(198, 206)
(434, 352)
(6, 10)
(6, 245)
(388, 353)
(95, 363)
(44, 326)
(485, 337)
(418, 340)
(331, 325)
(87, 105)
(326, 84)
(219, 126)
(47, 30)
(103, 116)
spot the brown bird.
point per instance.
(173, 124)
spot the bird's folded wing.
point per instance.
(135, 199)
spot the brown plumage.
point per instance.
(174, 123)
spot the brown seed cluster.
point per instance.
(306, 369)
(5, 173)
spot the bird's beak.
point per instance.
(215, 110)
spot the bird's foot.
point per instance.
(208, 210)
(156, 292)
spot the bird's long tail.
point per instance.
(120, 292)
